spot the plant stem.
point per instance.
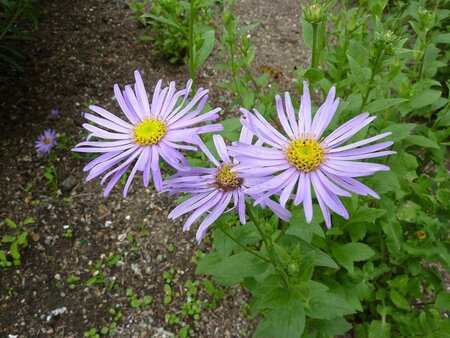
(10, 23)
(191, 41)
(315, 56)
(372, 77)
(243, 246)
(268, 246)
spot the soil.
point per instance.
(81, 48)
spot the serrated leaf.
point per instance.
(408, 211)
(366, 214)
(274, 298)
(327, 305)
(287, 321)
(232, 269)
(351, 252)
(332, 327)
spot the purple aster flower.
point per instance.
(54, 112)
(46, 141)
(152, 131)
(303, 160)
(212, 189)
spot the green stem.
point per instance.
(315, 56)
(243, 246)
(372, 77)
(10, 23)
(191, 41)
(268, 246)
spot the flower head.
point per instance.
(303, 160)
(212, 189)
(46, 141)
(54, 112)
(152, 131)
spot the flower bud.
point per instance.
(293, 268)
(313, 12)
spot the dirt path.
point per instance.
(81, 49)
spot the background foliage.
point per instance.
(12, 15)
(381, 273)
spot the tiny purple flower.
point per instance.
(212, 189)
(54, 112)
(152, 131)
(46, 141)
(306, 160)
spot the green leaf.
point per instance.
(366, 214)
(104, 330)
(379, 329)
(443, 301)
(10, 223)
(422, 141)
(327, 305)
(301, 229)
(8, 239)
(205, 50)
(408, 211)
(357, 72)
(394, 236)
(382, 104)
(351, 252)
(233, 269)
(135, 303)
(399, 300)
(441, 38)
(313, 75)
(332, 327)
(231, 128)
(274, 298)
(148, 300)
(161, 19)
(287, 321)
(424, 98)
(28, 220)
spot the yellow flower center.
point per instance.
(305, 154)
(47, 140)
(149, 132)
(226, 179)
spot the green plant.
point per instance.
(171, 318)
(13, 242)
(374, 274)
(11, 13)
(138, 303)
(116, 314)
(72, 281)
(52, 179)
(100, 272)
(248, 90)
(180, 29)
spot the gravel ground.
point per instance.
(82, 48)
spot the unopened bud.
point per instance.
(313, 12)
(293, 268)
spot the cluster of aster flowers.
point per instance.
(266, 166)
